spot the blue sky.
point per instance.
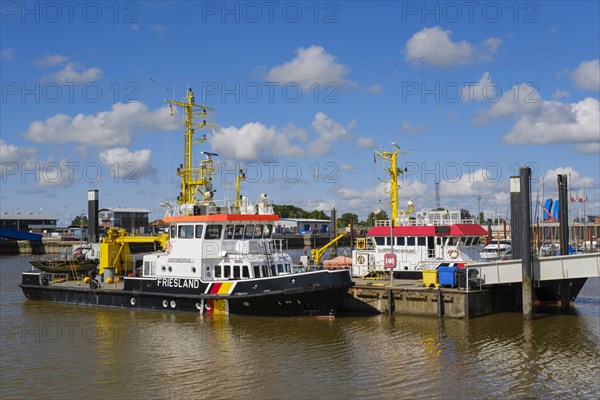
(304, 92)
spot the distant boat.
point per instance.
(496, 250)
(62, 266)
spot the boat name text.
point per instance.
(178, 283)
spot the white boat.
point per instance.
(496, 250)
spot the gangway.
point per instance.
(544, 269)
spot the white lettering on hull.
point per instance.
(178, 283)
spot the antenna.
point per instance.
(437, 194)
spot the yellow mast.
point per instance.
(393, 171)
(193, 179)
(238, 188)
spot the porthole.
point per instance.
(163, 269)
(132, 301)
(292, 281)
(198, 306)
(170, 269)
(254, 286)
(165, 304)
(193, 270)
(246, 304)
(207, 306)
(173, 304)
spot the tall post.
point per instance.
(524, 238)
(563, 214)
(333, 233)
(93, 231)
(515, 191)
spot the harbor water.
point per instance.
(56, 351)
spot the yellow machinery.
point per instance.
(115, 253)
(317, 254)
(391, 157)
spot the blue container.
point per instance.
(447, 276)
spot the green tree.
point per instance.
(345, 219)
(289, 211)
(318, 214)
(80, 220)
(376, 216)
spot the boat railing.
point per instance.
(49, 278)
(443, 221)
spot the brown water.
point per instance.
(57, 351)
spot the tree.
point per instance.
(381, 215)
(80, 220)
(345, 219)
(317, 214)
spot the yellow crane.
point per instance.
(391, 157)
(116, 254)
(317, 254)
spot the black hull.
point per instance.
(314, 300)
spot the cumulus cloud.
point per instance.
(366, 142)
(311, 65)
(519, 100)
(434, 46)
(575, 181)
(104, 129)
(587, 75)
(50, 60)
(408, 128)
(127, 166)
(328, 132)
(255, 141)
(12, 157)
(558, 123)
(484, 89)
(73, 72)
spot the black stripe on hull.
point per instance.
(316, 302)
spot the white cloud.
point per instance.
(128, 166)
(485, 89)
(475, 182)
(311, 65)
(346, 167)
(7, 54)
(558, 123)
(255, 141)
(587, 75)
(328, 132)
(50, 60)
(366, 142)
(434, 46)
(70, 73)
(12, 158)
(104, 129)
(559, 94)
(575, 181)
(520, 99)
(408, 128)
(588, 148)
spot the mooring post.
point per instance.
(391, 305)
(524, 239)
(440, 304)
(563, 222)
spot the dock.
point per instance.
(496, 288)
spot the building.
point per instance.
(303, 225)
(133, 220)
(30, 222)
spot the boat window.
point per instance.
(226, 271)
(268, 230)
(186, 231)
(236, 272)
(245, 272)
(273, 270)
(199, 229)
(239, 232)
(248, 231)
(228, 231)
(461, 241)
(265, 270)
(213, 232)
(451, 241)
(438, 241)
(421, 241)
(410, 241)
(217, 271)
(280, 269)
(468, 241)
(476, 241)
(173, 233)
(400, 241)
(388, 240)
(380, 240)
(288, 268)
(257, 271)
(258, 231)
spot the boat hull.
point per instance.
(322, 297)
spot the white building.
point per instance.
(302, 225)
